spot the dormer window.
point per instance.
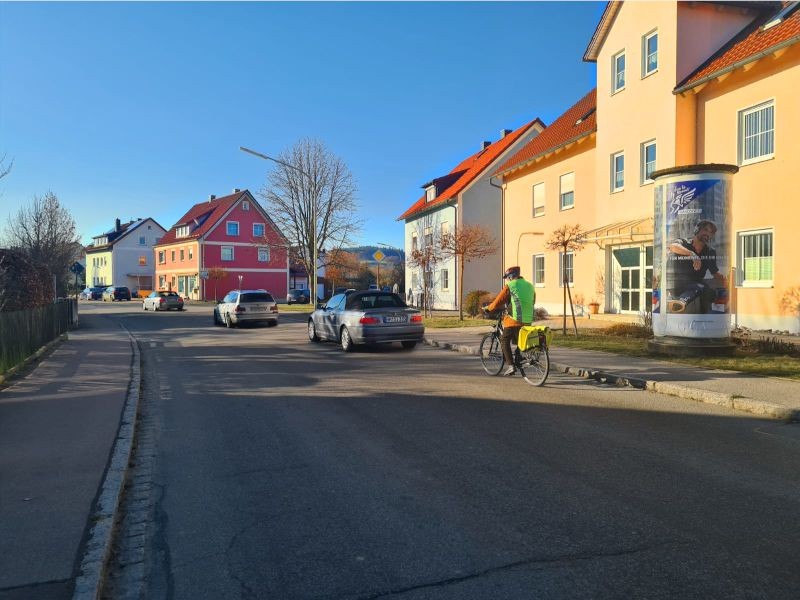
(245, 205)
(182, 231)
(430, 193)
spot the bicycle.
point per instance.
(533, 362)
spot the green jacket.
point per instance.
(522, 298)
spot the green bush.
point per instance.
(475, 299)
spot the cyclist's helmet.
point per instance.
(511, 272)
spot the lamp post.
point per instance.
(313, 216)
(519, 239)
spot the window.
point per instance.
(430, 193)
(414, 242)
(757, 133)
(181, 252)
(565, 268)
(232, 228)
(618, 72)
(162, 258)
(756, 258)
(263, 254)
(245, 205)
(538, 270)
(258, 230)
(162, 282)
(617, 172)
(414, 280)
(567, 191)
(445, 279)
(173, 255)
(226, 253)
(538, 200)
(142, 241)
(142, 261)
(191, 253)
(649, 54)
(648, 161)
(445, 228)
(428, 236)
(182, 231)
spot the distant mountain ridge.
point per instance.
(366, 254)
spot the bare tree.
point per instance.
(216, 274)
(424, 256)
(311, 184)
(5, 169)
(471, 242)
(46, 232)
(567, 238)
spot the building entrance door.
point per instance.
(633, 278)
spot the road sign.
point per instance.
(203, 274)
(76, 268)
(379, 256)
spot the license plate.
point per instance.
(394, 319)
(256, 308)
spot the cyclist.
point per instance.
(520, 296)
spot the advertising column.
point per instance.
(692, 258)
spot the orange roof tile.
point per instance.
(579, 121)
(206, 213)
(467, 171)
(748, 45)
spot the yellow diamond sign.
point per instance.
(379, 256)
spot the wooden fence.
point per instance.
(23, 332)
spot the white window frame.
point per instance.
(445, 278)
(444, 228)
(263, 254)
(428, 236)
(222, 250)
(414, 242)
(615, 72)
(162, 257)
(172, 256)
(430, 193)
(646, 71)
(536, 281)
(245, 205)
(570, 185)
(741, 141)
(182, 231)
(740, 248)
(142, 240)
(570, 268)
(614, 157)
(643, 178)
(228, 225)
(263, 232)
(540, 205)
(182, 254)
(191, 254)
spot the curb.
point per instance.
(731, 401)
(89, 583)
(8, 375)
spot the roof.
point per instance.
(115, 236)
(467, 171)
(577, 122)
(749, 45)
(202, 217)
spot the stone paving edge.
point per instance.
(91, 576)
(731, 401)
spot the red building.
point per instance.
(223, 244)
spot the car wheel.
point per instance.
(408, 345)
(216, 318)
(312, 331)
(346, 340)
(228, 322)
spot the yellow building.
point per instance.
(678, 83)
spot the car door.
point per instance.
(329, 324)
(226, 306)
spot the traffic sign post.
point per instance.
(378, 256)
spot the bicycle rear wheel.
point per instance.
(535, 366)
(491, 354)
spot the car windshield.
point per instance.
(378, 300)
(256, 297)
(122, 289)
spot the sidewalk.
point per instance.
(58, 426)
(764, 396)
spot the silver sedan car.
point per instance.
(367, 317)
(246, 306)
(162, 301)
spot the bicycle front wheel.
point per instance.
(535, 366)
(491, 354)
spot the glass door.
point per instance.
(633, 278)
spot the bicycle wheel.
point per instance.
(535, 366)
(491, 354)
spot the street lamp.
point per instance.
(519, 239)
(313, 215)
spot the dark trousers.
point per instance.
(695, 290)
(509, 334)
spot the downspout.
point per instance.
(502, 189)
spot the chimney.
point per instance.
(485, 144)
(117, 225)
(236, 190)
(211, 197)
(505, 132)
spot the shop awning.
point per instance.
(634, 230)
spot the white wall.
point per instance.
(127, 252)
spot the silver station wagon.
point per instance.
(367, 317)
(246, 306)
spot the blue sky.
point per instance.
(138, 109)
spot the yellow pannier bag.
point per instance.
(530, 336)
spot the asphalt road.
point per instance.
(278, 468)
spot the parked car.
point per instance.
(162, 301)
(366, 317)
(298, 296)
(246, 306)
(92, 293)
(120, 293)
